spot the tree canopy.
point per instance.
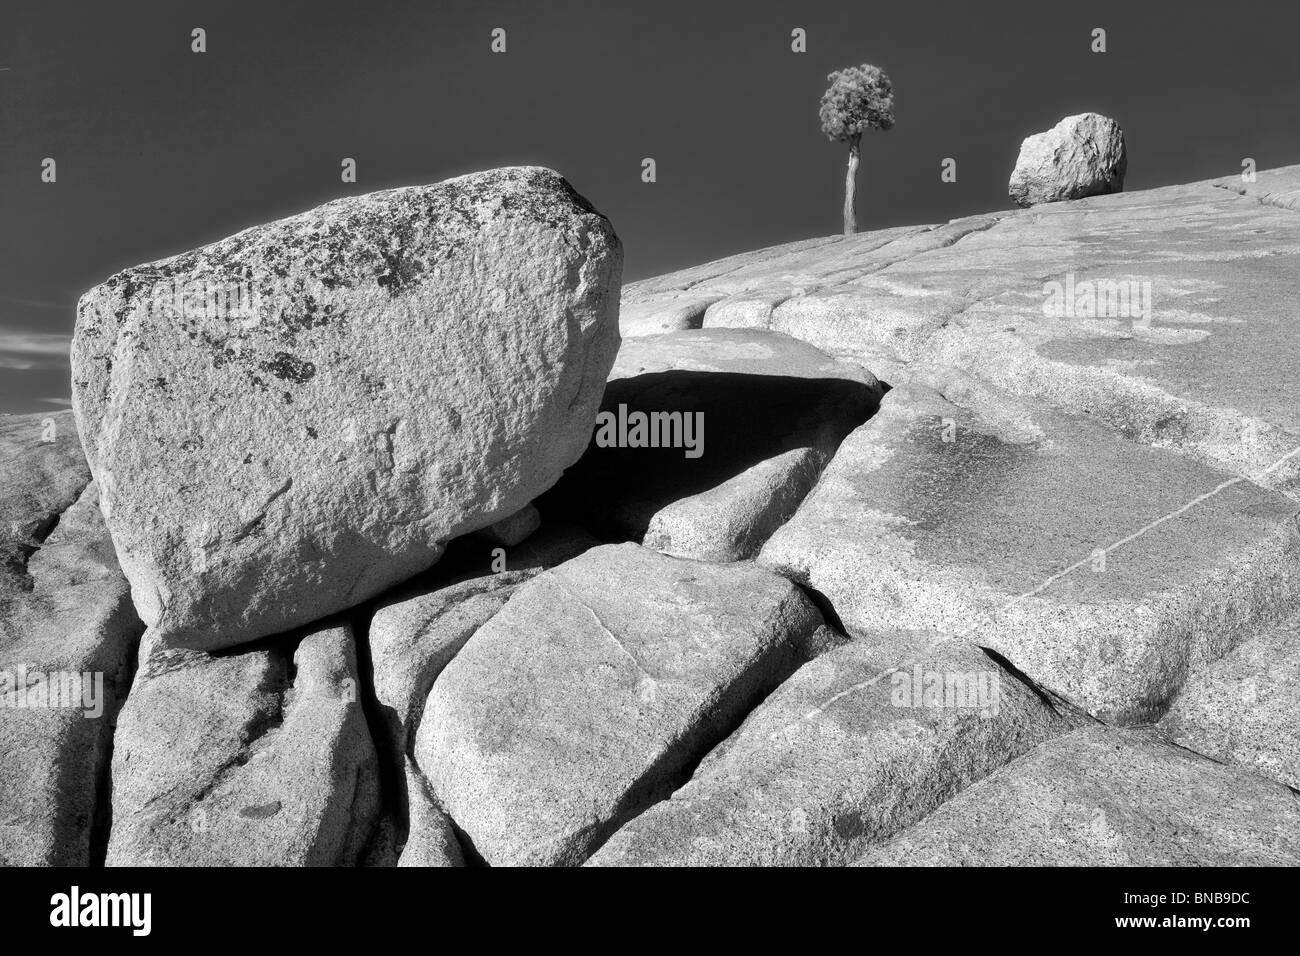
(859, 98)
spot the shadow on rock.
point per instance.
(727, 428)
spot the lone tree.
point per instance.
(859, 98)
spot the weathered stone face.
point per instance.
(418, 629)
(1002, 528)
(1106, 797)
(587, 695)
(857, 744)
(67, 638)
(1245, 707)
(259, 757)
(387, 372)
(65, 653)
(1080, 156)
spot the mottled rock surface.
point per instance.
(418, 629)
(67, 639)
(859, 743)
(42, 472)
(589, 695)
(1102, 797)
(254, 757)
(1102, 569)
(1245, 708)
(1080, 156)
(400, 368)
(432, 838)
(1206, 369)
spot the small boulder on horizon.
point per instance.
(1080, 156)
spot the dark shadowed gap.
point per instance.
(101, 826)
(1057, 703)
(747, 419)
(392, 781)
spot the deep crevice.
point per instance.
(1062, 706)
(394, 801)
(16, 554)
(678, 765)
(101, 825)
(649, 792)
(468, 851)
(823, 604)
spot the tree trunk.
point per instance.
(851, 188)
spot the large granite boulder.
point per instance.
(1079, 495)
(287, 422)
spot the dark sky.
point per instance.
(160, 149)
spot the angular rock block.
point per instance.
(765, 412)
(1105, 797)
(42, 472)
(416, 631)
(432, 839)
(413, 638)
(590, 694)
(1080, 156)
(67, 638)
(364, 382)
(1245, 707)
(1103, 569)
(859, 743)
(256, 757)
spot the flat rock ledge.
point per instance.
(1104, 797)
